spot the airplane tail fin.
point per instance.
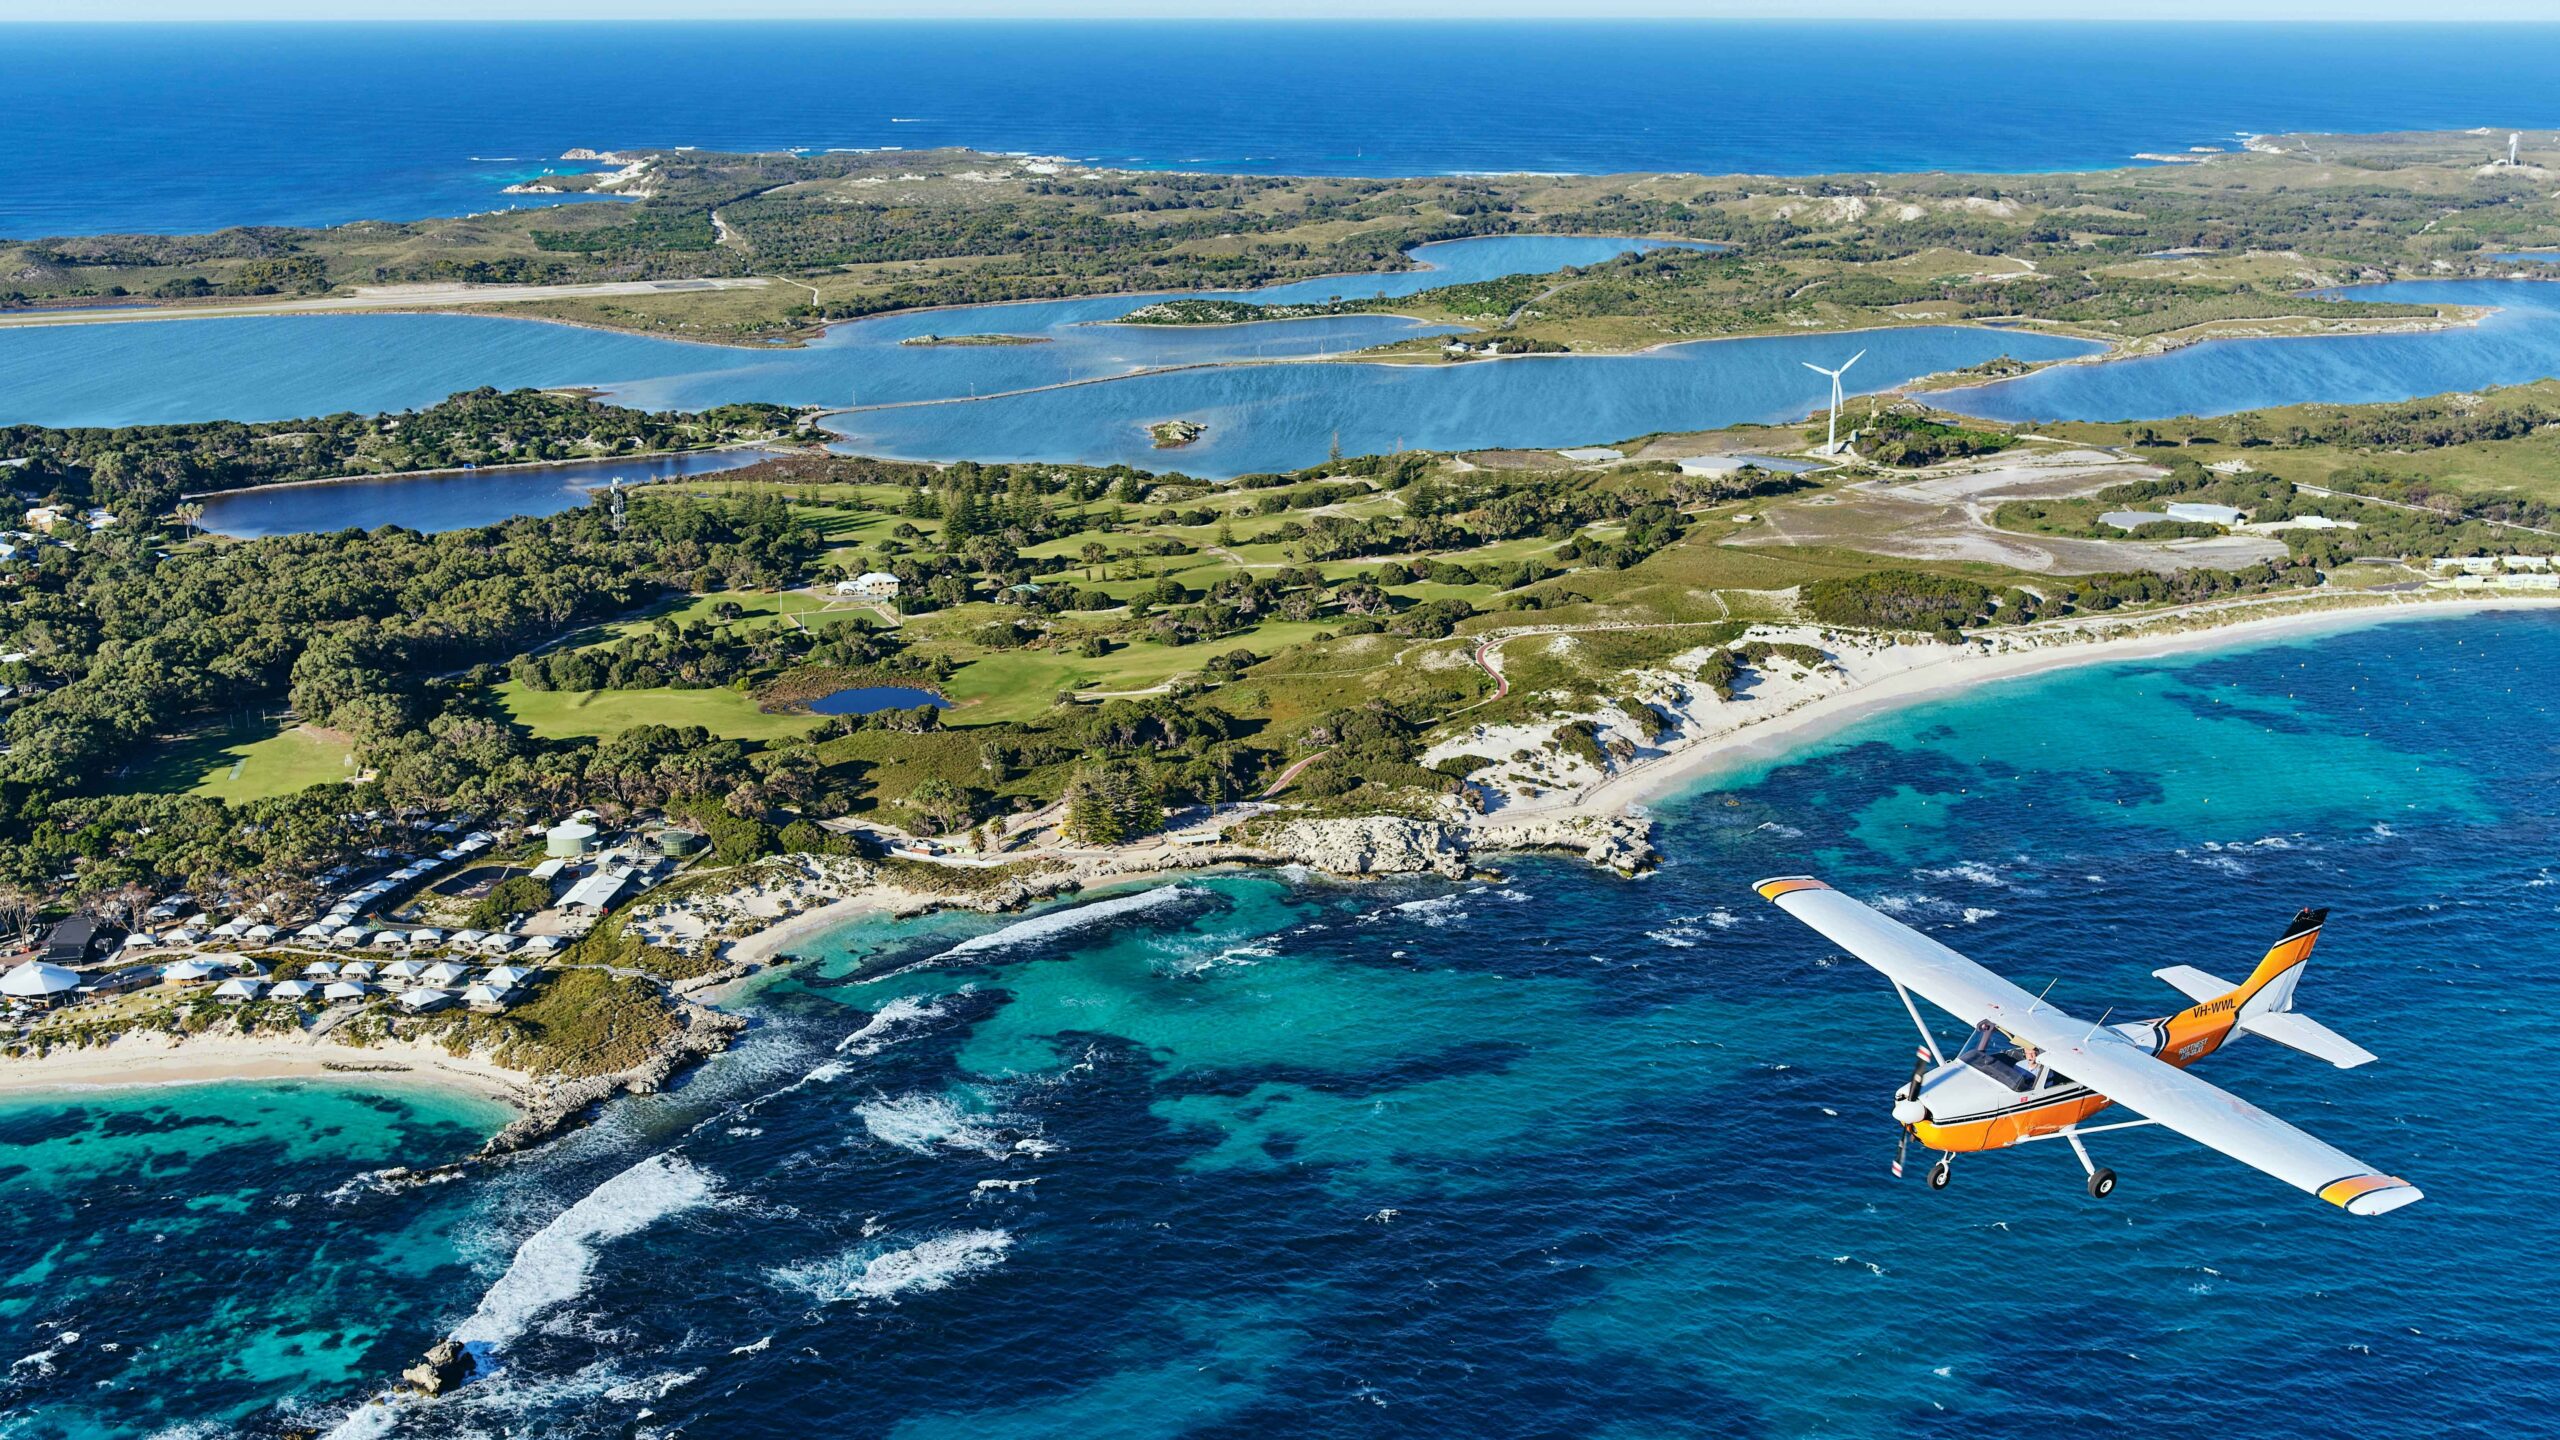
(2262, 1005)
(2269, 988)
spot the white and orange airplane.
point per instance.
(2031, 1072)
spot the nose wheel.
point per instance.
(1943, 1171)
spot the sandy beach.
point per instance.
(199, 1059)
(1945, 670)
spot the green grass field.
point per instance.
(240, 765)
(566, 714)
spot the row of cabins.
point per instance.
(415, 986)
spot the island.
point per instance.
(759, 248)
(518, 806)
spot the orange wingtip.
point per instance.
(2370, 1194)
(1787, 885)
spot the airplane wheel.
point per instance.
(1941, 1173)
(2102, 1184)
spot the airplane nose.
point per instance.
(1909, 1112)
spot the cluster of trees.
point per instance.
(1896, 438)
(1944, 604)
(700, 654)
(139, 470)
(349, 629)
(1439, 517)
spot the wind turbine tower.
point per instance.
(2513, 141)
(1832, 446)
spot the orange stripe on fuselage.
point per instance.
(1998, 1132)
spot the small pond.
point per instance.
(871, 699)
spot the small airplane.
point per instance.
(2030, 1072)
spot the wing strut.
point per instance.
(1936, 1056)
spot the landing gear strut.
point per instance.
(2102, 1183)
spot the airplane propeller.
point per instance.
(1907, 1109)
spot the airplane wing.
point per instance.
(2094, 1055)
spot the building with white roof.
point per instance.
(416, 1001)
(36, 980)
(239, 987)
(596, 893)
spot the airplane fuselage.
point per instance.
(1979, 1107)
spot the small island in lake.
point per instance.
(975, 340)
(1174, 434)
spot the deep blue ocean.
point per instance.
(1554, 1154)
(189, 128)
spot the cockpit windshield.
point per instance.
(1993, 1054)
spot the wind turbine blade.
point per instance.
(1854, 359)
(1816, 369)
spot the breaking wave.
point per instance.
(552, 1265)
(922, 1124)
(868, 1272)
(879, 1032)
(1061, 922)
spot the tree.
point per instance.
(1110, 804)
(18, 907)
(943, 805)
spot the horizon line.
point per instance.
(1347, 18)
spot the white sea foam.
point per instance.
(1975, 915)
(1973, 871)
(1678, 937)
(1435, 912)
(552, 1265)
(882, 1029)
(869, 1273)
(921, 1124)
(758, 1348)
(1061, 922)
(1722, 919)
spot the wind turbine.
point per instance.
(1832, 446)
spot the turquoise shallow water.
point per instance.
(1559, 1154)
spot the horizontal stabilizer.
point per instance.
(2309, 1036)
(2194, 983)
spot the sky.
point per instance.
(612, 10)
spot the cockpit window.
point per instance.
(1991, 1052)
